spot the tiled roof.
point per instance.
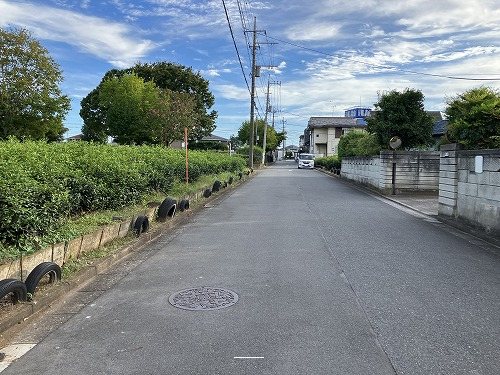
(214, 138)
(331, 122)
(440, 127)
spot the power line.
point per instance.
(382, 66)
(235, 46)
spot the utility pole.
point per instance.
(268, 109)
(264, 140)
(252, 93)
(284, 140)
(255, 73)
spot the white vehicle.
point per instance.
(305, 161)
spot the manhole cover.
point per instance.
(203, 298)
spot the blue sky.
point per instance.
(327, 55)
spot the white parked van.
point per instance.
(305, 161)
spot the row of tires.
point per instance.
(51, 272)
(22, 291)
(166, 209)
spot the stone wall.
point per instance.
(411, 170)
(468, 193)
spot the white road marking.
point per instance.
(12, 353)
(248, 357)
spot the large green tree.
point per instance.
(474, 118)
(177, 111)
(273, 138)
(31, 103)
(170, 78)
(130, 103)
(401, 114)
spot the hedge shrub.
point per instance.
(329, 163)
(44, 184)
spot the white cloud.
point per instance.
(312, 31)
(110, 41)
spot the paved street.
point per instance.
(329, 280)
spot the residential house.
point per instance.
(322, 134)
(210, 138)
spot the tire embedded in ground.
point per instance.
(216, 186)
(50, 269)
(207, 193)
(230, 181)
(15, 287)
(141, 225)
(167, 209)
(184, 205)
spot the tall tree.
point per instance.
(474, 118)
(176, 111)
(31, 103)
(129, 102)
(94, 127)
(401, 114)
(178, 78)
(169, 78)
(273, 138)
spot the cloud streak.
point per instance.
(113, 42)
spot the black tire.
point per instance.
(240, 175)
(167, 209)
(141, 225)
(216, 186)
(225, 185)
(230, 181)
(207, 193)
(184, 205)
(46, 268)
(14, 286)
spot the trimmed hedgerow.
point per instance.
(329, 163)
(44, 184)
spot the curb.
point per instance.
(46, 298)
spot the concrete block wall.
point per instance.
(415, 171)
(363, 170)
(467, 195)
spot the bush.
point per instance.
(358, 143)
(257, 153)
(329, 163)
(42, 185)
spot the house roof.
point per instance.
(440, 127)
(332, 122)
(77, 137)
(214, 138)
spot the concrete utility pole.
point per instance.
(255, 73)
(252, 94)
(268, 109)
(264, 140)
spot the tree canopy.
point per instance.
(129, 102)
(401, 114)
(31, 103)
(184, 100)
(273, 138)
(358, 143)
(474, 118)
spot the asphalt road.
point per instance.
(329, 280)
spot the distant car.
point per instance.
(305, 161)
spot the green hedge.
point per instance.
(43, 184)
(329, 163)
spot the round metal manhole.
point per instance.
(203, 298)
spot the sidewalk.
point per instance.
(426, 203)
